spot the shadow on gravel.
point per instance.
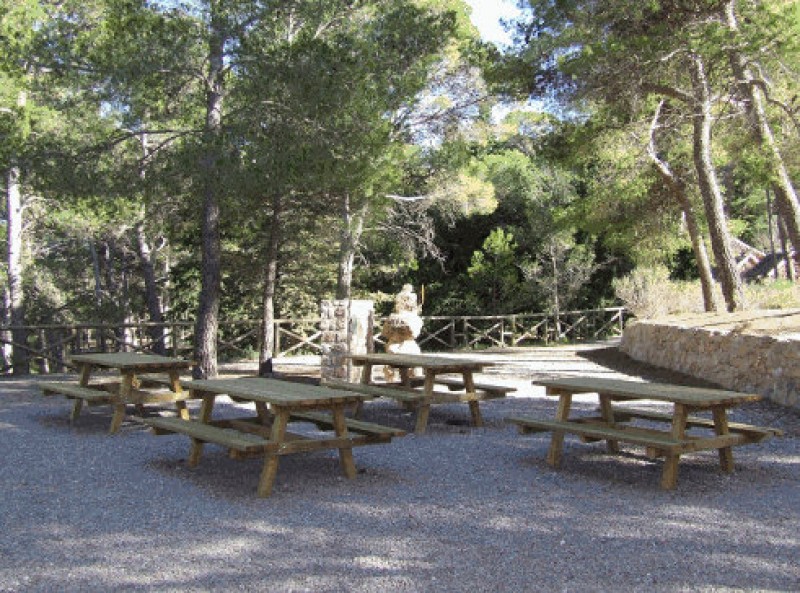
(620, 362)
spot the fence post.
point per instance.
(44, 365)
(276, 336)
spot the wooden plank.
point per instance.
(398, 393)
(638, 436)
(270, 468)
(207, 433)
(455, 383)
(697, 397)
(157, 379)
(440, 363)
(756, 433)
(273, 391)
(131, 361)
(669, 474)
(557, 439)
(73, 390)
(323, 420)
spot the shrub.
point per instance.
(649, 293)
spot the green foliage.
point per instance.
(493, 272)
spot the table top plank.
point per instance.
(699, 397)
(428, 361)
(131, 361)
(274, 391)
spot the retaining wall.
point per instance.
(730, 350)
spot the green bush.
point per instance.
(649, 293)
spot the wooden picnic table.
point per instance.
(277, 404)
(614, 424)
(460, 389)
(143, 379)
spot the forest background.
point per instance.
(240, 159)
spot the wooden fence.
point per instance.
(48, 347)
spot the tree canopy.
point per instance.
(246, 159)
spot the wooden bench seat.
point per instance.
(325, 421)
(94, 395)
(490, 391)
(399, 393)
(207, 433)
(156, 380)
(756, 433)
(658, 442)
(596, 430)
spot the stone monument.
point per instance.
(346, 328)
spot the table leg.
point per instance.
(263, 413)
(366, 373)
(123, 396)
(206, 408)
(721, 428)
(345, 453)
(77, 404)
(608, 415)
(424, 406)
(366, 379)
(474, 407)
(405, 376)
(669, 476)
(405, 381)
(276, 437)
(557, 440)
(175, 385)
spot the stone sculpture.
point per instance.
(402, 327)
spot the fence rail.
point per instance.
(48, 347)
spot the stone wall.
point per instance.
(736, 359)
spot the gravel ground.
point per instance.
(457, 509)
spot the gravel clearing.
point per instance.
(458, 509)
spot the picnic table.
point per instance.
(420, 395)
(143, 379)
(615, 424)
(277, 405)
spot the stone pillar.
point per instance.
(346, 328)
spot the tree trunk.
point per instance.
(6, 349)
(791, 270)
(352, 228)
(16, 294)
(786, 199)
(709, 189)
(267, 352)
(207, 325)
(147, 265)
(677, 188)
(146, 262)
(555, 302)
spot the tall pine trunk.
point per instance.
(16, 294)
(267, 352)
(352, 228)
(677, 188)
(755, 103)
(147, 265)
(154, 310)
(713, 203)
(207, 325)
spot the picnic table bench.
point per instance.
(143, 379)
(613, 425)
(278, 405)
(420, 393)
